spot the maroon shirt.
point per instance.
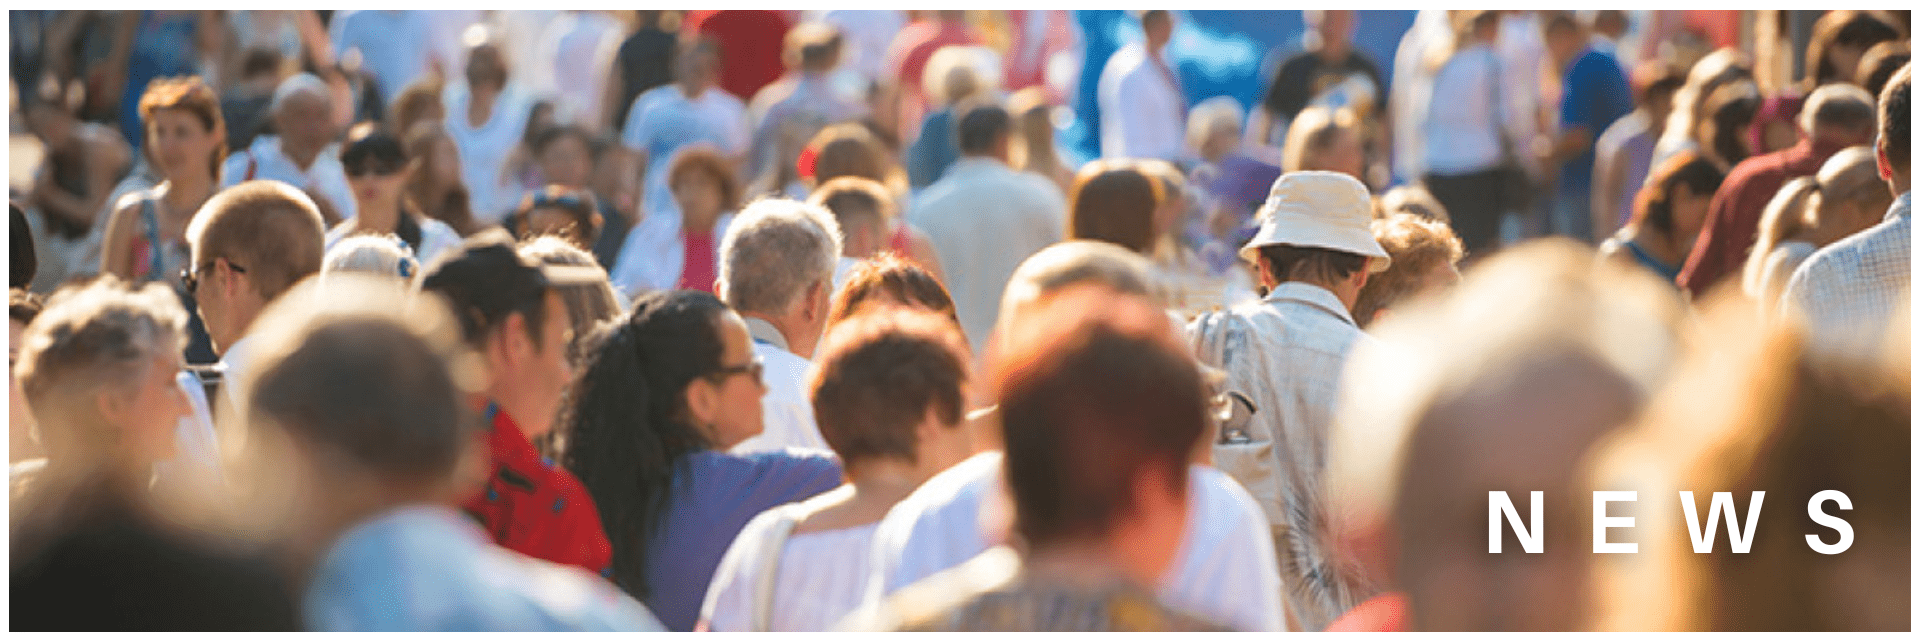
(1733, 219)
(750, 46)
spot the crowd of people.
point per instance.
(806, 321)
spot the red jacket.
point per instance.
(536, 509)
(1733, 219)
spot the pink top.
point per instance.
(697, 269)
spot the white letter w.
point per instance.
(1742, 537)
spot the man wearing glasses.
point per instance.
(250, 243)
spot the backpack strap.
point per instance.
(152, 222)
(788, 516)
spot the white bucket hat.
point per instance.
(1319, 209)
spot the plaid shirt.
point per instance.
(1848, 292)
(1286, 355)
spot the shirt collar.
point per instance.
(764, 332)
(1902, 206)
(1314, 295)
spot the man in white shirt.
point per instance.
(1143, 109)
(984, 218)
(692, 109)
(395, 45)
(302, 154)
(776, 270)
(250, 244)
(1315, 250)
(1852, 292)
(1225, 567)
(486, 117)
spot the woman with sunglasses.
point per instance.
(664, 394)
(377, 169)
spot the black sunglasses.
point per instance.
(753, 368)
(190, 278)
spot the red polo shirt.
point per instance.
(1733, 219)
(536, 509)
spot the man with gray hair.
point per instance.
(776, 270)
(302, 153)
(1836, 116)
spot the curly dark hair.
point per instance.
(626, 428)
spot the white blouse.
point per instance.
(1462, 126)
(821, 578)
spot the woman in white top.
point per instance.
(889, 397)
(377, 169)
(1464, 145)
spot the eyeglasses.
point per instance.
(191, 278)
(753, 368)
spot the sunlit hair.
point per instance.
(589, 303)
(1845, 27)
(850, 149)
(266, 227)
(1114, 201)
(773, 251)
(450, 204)
(94, 338)
(1312, 133)
(191, 95)
(1411, 199)
(1719, 68)
(1544, 313)
(1754, 409)
(308, 377)
(878, 374)
(1032, 111)
(1095, 392)
(1070, 263)
(856, 203)
(1786, 216)
(888, 278)
(705, 159)
(1416, 246)
(1213, 115)
(382, 254)
(1653, 206)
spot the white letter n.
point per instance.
(1498, 503)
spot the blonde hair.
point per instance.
(381, 254)
(1312, 132)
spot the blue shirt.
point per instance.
(714, 494)
(1595, 94)
(430, 568)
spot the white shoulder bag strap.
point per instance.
(790, 515)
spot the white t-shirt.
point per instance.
(663, 120)
(821, 577)
(1141, 110)
(484, 149)
(1225, 570)
(435, 238)
(264, 160)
